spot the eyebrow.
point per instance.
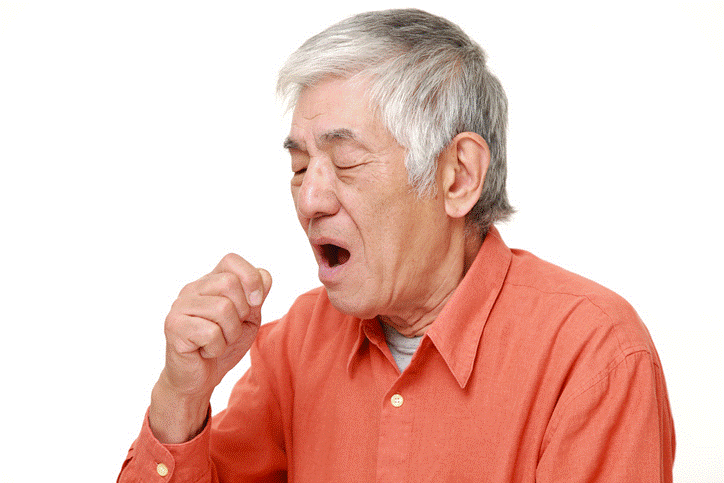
(324, 138)
(289, 143)
(338, 134)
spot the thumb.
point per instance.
(266, 281)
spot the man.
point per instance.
(433, 352)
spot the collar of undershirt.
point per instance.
(400, 343)
(402, 348)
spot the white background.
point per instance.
(141, 141)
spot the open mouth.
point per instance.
(334, 255)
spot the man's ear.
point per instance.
(464, 164)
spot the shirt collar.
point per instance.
(457, 330)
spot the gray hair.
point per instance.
(428, 82)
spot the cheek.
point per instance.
(294, 190)
(295, 197)
(304, 223)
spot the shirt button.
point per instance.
(162, 469)
(396, 400)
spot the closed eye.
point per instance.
(349, 167)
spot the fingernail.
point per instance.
(255, 298)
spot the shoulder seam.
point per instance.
(588, 385)
(614, 325)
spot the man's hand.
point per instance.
(210, 327)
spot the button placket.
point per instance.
(395, 436)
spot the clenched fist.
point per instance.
(210, 327)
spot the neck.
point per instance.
(473, 242)
(417, 321)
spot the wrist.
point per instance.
(174, 417)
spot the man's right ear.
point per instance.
(464, 164)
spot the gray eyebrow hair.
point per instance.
(342, 133)
(289, 143)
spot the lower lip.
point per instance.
(330, 275)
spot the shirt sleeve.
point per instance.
(249, 439)
(617, 428)
(150, 461)
(243, 443)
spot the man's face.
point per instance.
(379, 246)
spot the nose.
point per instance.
(317, 194)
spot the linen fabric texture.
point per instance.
(529, 374)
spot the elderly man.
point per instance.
(433, 352)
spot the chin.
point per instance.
(350, 306)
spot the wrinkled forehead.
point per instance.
(336, 109)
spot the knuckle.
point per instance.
(211, 351)
(244, 312)
(228, 282)
(188, 288)
(253, 277)
(209, 332)
(172, 321)
(232, 332)
(230, 258)
(177, 345)
(266, 278)
(208, 337)
(225, 308)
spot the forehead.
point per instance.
(336, 108)
(344, 97)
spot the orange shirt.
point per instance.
(529, 374)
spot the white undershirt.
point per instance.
(402, 347)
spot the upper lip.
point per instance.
(318, 242)
(324, 240)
